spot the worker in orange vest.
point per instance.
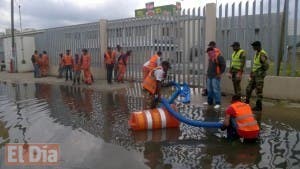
(45, 64)
(40, 63)
(239, 121)
(68, 63)
(152, 84)
(118, 52)
(151, 64)
(216, 66)
(86, 66)
(122, 64)
(212, 44)
(109, 60)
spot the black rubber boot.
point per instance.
(258, 106)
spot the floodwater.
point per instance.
(91, 128)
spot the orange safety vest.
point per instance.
(122, 60)
(45, 59)
(110, 59)
(218, 69)
(40, 61)
(150, 83)
(218, 51)
(68, 60)
(76, 67)
(153, 61)
(86, 61)
(244, 119)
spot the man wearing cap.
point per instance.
(152, 84)
(215, 69)
(257, 75)
(237, 64)
(212, 44)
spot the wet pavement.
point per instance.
(91, 128)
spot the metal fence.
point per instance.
(180, 38)
(273, 22)
(75, 38)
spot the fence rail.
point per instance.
(180, 38)
(273, 22)
(75, 38)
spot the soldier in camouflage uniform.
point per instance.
(258, 73)
(237, 64)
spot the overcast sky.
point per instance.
(53, 13)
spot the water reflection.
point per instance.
(92, 129)
(162, 135)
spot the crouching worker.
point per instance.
(240, 122)
(152, 85)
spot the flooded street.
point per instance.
(91, 128)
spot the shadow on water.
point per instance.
(91, 128)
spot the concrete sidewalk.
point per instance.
(28, 78)
(132, 88)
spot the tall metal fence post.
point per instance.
(210, 31)
(103, 47)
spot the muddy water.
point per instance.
(91, 128)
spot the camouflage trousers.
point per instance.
(257, 83)
(149, 101)
(236, 81)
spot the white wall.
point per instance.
(28, 46)
(275, 87)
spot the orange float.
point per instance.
(152, 119)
